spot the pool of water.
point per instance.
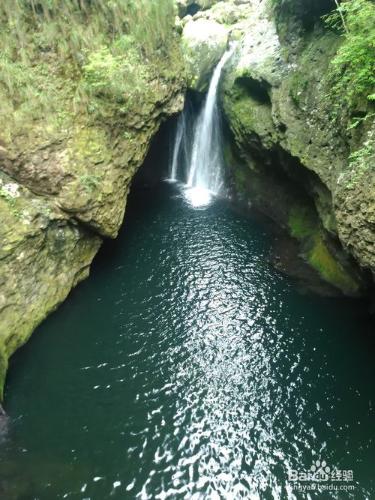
(186, 366)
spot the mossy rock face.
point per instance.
(294, 17)
(206, 35)
(43, 255)
(330, 262)
(248, 114)
(86, 161)
(269, 189)
(302, 221)
(64, 180)
(321, 258)
(354, 202)
(275, 98)
(203, 42)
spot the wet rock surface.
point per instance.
(275, 100)
(64, 189)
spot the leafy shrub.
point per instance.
(353, 68)
(114, 75)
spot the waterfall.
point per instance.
(197, 152)
(180, 138)
(181, 149)
(206, 167)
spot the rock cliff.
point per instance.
(293, 146)
(64, 180)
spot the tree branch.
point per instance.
(342, 16)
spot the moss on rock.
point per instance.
(305, 225)
(43, 255)
(276, 100)
(302, 221)
(203, 42)
(66, 170)
(321, 258)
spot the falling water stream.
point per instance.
(204, 175)
(179, 143)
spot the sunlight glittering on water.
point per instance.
(187, 367)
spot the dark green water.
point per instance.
(187, 367)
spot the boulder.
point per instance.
(204, 42)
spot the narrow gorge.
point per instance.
(206, 170)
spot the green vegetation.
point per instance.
(5, 195)
(90, 182)
(352, 74)
(321, 259)
(115, 74)
(304, 225)
(56, 54)
(362, 160)
(302, 221)
(11, 201)
(71, 27)
(353, 67)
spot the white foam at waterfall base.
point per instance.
(198, 196)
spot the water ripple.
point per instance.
(201, 372)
